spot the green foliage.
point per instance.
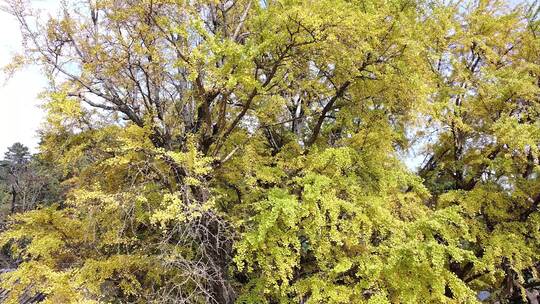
(26, 180)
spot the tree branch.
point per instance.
(316, 130)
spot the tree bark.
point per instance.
(13, 199)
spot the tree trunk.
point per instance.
(13, 199)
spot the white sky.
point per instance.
(20, 115)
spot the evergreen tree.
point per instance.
(17, 155)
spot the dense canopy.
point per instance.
(241, 151)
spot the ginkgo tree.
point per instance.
(251, 151)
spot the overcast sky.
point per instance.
(20, 115)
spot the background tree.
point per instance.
(15, 164)
(26, 180)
